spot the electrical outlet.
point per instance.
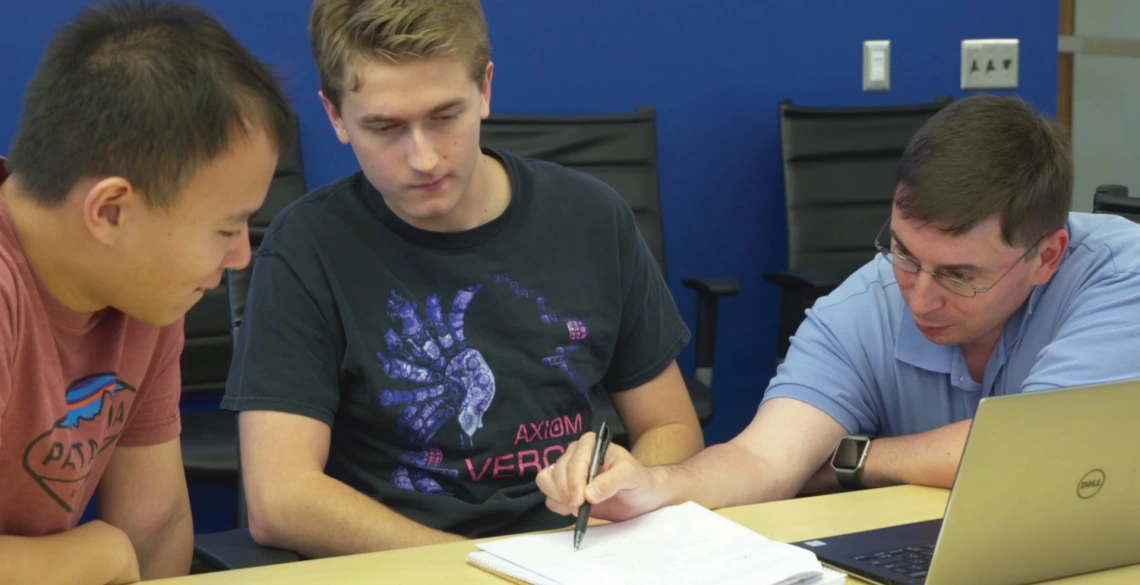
(876, 65)
(989, 63)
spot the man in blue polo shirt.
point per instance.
(985, 285)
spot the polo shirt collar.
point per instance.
(912, 347)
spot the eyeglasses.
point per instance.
(954, 285)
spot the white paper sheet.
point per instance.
(678, 545)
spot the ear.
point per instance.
(334, 118)
(485, 106)
(107, 205)
(1050, 252)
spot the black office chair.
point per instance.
(208, 451)
(621, 151)
(1115, 199)
(840, 167)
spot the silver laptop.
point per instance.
(1048, 487)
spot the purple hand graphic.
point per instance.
(449, 381)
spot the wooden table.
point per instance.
(787, 521)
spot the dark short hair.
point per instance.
(988, 155)
(149, 91)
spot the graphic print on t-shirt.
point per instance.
(61, 458)
(576, 330)
(450, 381)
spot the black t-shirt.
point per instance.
(453, 367)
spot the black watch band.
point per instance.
(847, 479)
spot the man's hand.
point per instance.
(95, 553)
(623, 488)
(784, 445)
(130, 572)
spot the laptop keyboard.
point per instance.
(911, 561)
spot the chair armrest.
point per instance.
(818, 278)
(1114, 199)
(714, 286)
(236, 549)
(709, 291)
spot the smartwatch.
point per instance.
(849, 456)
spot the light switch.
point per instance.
(876, 65)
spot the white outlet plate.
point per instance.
(876, 65)
(989, 63)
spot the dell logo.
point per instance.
(1090, 484)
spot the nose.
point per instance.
(926, 295)
(422, 156)
(239, 254)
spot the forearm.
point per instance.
(721, 476)
(929, 458)
(95, 553)
(319, 516)
(169, 550)
(671, 443)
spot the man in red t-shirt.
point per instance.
(149, 138)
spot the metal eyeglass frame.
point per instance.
(939, 277)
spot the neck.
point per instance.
(978, 352)
(48, 241)
(486, 198)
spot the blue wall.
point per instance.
(715, 70)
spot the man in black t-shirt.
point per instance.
(421, 337)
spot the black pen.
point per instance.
(601, 443)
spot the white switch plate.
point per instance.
(989, 63)
(876, 65)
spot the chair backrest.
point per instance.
(209, 347)
(618, 149)
(1115, 199)
(840, 167)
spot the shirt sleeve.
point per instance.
(287, 352)
(651, 333)
(825, 366)
(1097, 342)
(157, 418)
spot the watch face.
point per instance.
(848, 454)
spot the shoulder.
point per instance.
(568, 190)
(865, 309)
(315, 211)
(1102, 244)
(872, 287)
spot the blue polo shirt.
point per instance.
(859, 357)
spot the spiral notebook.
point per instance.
(685, 544)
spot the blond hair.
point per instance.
(346, 33)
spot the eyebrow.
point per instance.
(963, 267)
(382, 119)
(242, 216)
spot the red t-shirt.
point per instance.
(72, 388)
